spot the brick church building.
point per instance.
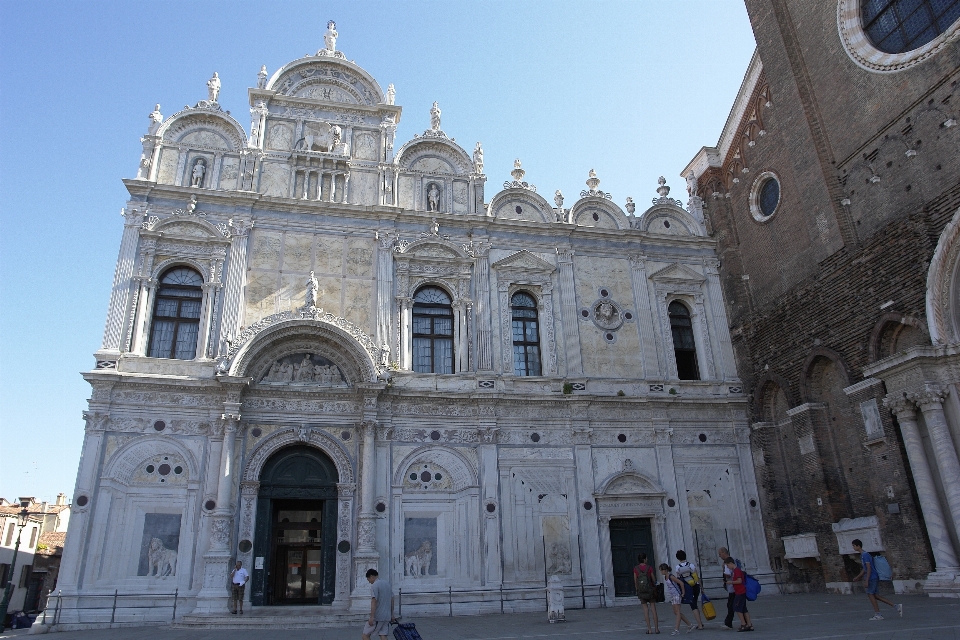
(834, 195)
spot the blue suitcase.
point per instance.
(406, 631)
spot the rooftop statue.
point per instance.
(478, 158)
(391, 94)
(330, 36)
(156, 118)
(213, 88)
(692, 183)
(262, 78)
(313, 289)
(435, 117)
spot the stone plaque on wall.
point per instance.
(556, 537)
(871, 418)
(419, 547)
(159, 545)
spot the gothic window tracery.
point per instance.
(176, 315)
(684, 346)
(432, 331)
(526, 335)
(898, 26)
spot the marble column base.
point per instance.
(360, 596)
(944, 583)
(214, 596)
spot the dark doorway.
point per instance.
(296, 529)
(629, 537)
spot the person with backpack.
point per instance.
(871, 581)
(724, 553)
(675, 589)
(739, 582)
(687, 571)
(646, 586)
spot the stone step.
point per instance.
(309, 617)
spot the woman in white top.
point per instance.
(687, 571)
(672, 590)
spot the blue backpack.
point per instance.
(752, 585)
(882, 567)
(686, 597)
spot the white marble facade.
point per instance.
(313, 233)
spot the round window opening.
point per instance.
(245, 546)
(257, 432)
(150, 468)
(164, 469)
(159, 425)
(535, 437)
(380, 507)
(209, 505)
(434, 435)
(765, 196)
(81, 501)
(518, 209)
(491, 507)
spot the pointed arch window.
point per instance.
(176, 315)
(432, 331)
(526, 335)
(684, 346)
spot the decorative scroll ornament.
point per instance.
(664, 191)
(518, 182)
(593, 182)
(190, 209)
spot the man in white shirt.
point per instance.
(238, 580)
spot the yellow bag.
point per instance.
(708, 611)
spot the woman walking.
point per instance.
(674, 591)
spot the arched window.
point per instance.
(432, 331)
(684, 347)
(176, 315)
(898, 26)
(526, 335)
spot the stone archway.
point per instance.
(259, 488)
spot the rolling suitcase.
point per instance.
(406, 631)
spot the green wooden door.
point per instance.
(629, 537)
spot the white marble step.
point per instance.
(306, 617)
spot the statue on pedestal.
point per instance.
(391, 94)
(213, 88)
(435, 117)
(478, 159)
(330, 36)
(262, 78)
(313, 288)
(199, 168)
(156, 118)
(433, 198)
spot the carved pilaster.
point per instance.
(568, 314)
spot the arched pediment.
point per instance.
(434, 156)
(521, 204)
(127, 465)
(630, 483)
(434, 247)
(276, 337)
(349, 79)
(669, 219)
(203, 129)
(299, 436)
(184, 227)
(594, 211)
(461, 473)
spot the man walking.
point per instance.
(871, 581)
(728, 585)
(381, 607)
(238, 580)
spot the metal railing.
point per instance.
(122, 602)
(483, 596)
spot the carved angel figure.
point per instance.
(435, 117)
(434, 227)
(478, 158)
(391, 94)
(330, 36)
(213, 87)
(558, 199)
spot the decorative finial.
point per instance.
(213, 88)
(517, 172)
(558, 199)
(663, 189)
(435, 117)
(592, 180)
(391, 94)
(330, 36)
(262, 78)
(631, 206)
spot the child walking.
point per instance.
(871, 581)
(739, 595)
(674, 590)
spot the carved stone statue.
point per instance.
(435, 117)
(391, 94)
(156, 118)
(434, 227)
(433, 198)
(478, 158)
(213, 87)
(691, 183)
(330, 36)
(337, 137)
(192, 205)
(313, 288)
(558, 199)
(631, 206)
(199, 168)
(305, 370)
(262, 78)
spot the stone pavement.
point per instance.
(797, 617)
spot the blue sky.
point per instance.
(631, 89)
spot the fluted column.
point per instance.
(645, 326)
(944, 554)
(227, 473)
(406, 338)
(930, 401)
(148, 288)
(568, 308)
(206, 308)
(122, 286)
(386, 242)
(481, 272)
(236, 276)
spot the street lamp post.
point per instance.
(22, 518)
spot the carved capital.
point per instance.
(565, 255)
(901, 406)
(581, 435)
(96, 421)
(638, 262)
(664, 435)
(346, 489)
(932, 396)
(487, 435)
(249, 488)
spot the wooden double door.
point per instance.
(298, 543)
(629, 537)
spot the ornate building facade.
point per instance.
(326, 352)
(834, 194)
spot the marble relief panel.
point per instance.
(261, 296)
(556, 538)
(459, 196)
(266, 250)
(207, 139)
(167, 173)
(359, 257)
(275, 180)
(405, 195)
(297, 252)
(328, 297)
(159, 545)
(366, 146)
(280, 136)
(363, 187)
(329, 255)
(229, 172)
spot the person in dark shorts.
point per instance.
(381, 607)
(724, 553)
(871, 581)
(687, 571)
(645, 584)
(238, 581)
(739, 582)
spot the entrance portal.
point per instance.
(629, 537)
(296, 529)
